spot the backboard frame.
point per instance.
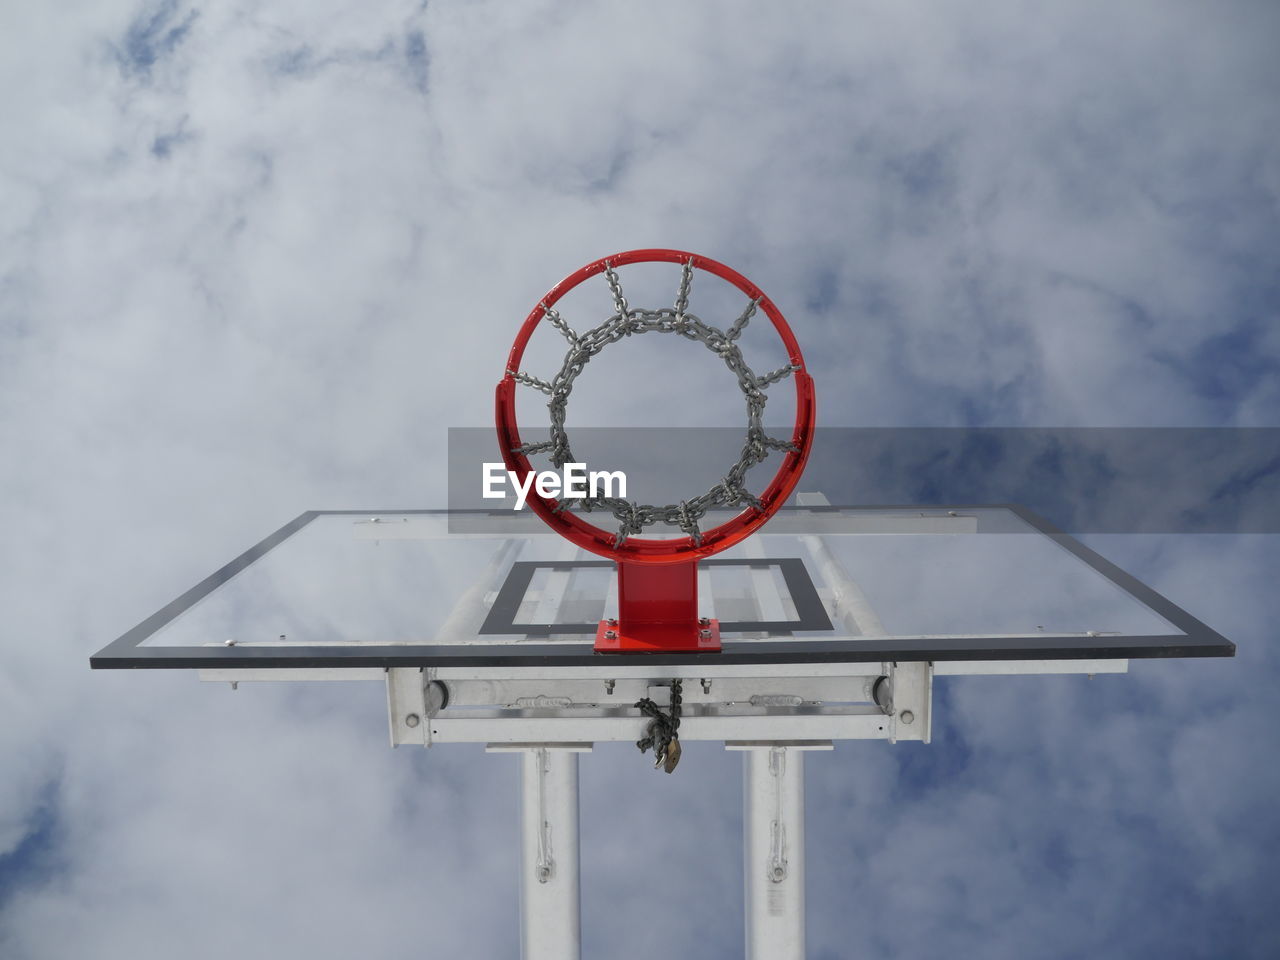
(128, 651)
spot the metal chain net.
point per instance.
(731, 490)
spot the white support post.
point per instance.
(773, 824)
(550, 927)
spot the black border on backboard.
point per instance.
(1197, 639)
(810, 613)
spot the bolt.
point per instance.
(704, 634)
(906, 716)
(608, 686)
(611, 622)
(777, 874)
(228, 643)
(705, 621)
(544, 874)
(611, 634)
(411, 720)
(706, 685)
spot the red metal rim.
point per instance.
(645, 549)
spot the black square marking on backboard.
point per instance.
(810, 613)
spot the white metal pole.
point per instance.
(773, 824)
(550, 927)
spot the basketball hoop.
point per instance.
(657, 578)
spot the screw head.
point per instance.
(412, 720)
(906, 716)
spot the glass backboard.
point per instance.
(818, 584)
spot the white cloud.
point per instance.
(259, 260)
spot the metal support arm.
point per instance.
(773, 848)
(550, 922)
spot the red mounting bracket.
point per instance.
(658, 612)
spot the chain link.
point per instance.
(558, 322)
(619, 301)
(731, 490)
(663, 732)
(682, 297)
(740, 324)
(532, 381)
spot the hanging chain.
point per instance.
(663, 732)
(731, 490)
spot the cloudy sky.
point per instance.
(256, 259)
